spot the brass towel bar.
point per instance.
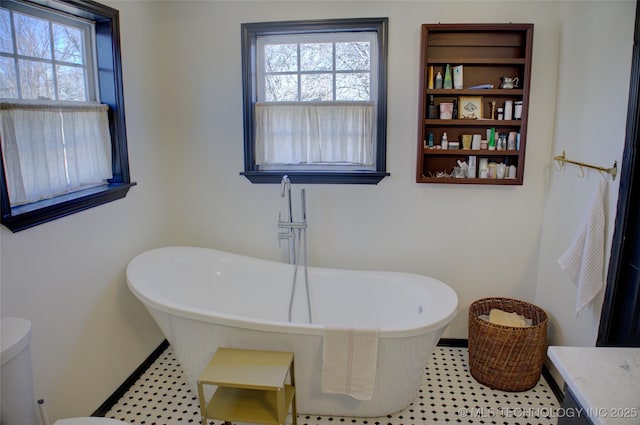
(613, 170)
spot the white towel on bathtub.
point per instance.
(349, 358)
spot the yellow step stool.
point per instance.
(251, 387)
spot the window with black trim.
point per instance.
(62, 122)
(315, 100)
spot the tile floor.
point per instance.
(448, 394)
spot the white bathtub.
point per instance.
(203, 299)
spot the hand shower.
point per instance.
(285, 184)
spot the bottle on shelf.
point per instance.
(511, 141)
(439, 80)
(492, 139)
(471, 170)
(432, 109)
(508, 109)
(457, 77)
(517, 110)
(501, 143)
(444, 142)
(448, 82)
(430, 81)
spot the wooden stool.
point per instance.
(251, 387)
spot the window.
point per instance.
(45, 55)
(61, 109)
(315, 101)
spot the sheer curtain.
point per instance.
(314, 133)
(50, 149)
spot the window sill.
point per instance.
(317, 177)
(26, 216)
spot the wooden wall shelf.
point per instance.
(486, 52)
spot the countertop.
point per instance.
(604, 380)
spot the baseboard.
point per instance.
(122, 389)
(454, 342)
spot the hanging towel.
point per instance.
(584, 259)
(349, 358)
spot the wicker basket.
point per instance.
(504, 357)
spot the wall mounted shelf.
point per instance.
(487, 52)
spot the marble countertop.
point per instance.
(604, 380)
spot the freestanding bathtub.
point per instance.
(203, 299)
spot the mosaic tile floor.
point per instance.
(448, 394)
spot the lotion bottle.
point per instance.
(438, 80)
(508, 109)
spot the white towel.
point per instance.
(584, 259)
(349, 358)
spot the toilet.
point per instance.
(18, 407)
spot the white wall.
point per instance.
(68, 276)
(593, 88)
(184, 119)
(481, 240)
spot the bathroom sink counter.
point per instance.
(604, 380)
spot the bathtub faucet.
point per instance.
(295, 233)
(287, 223)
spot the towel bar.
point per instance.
(612, 170)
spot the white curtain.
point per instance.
(314, 133)
(53, 149)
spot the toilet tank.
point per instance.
(16, 391)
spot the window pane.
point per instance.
(353, 86)
(316, 57)
(68, 44)
(8, 85)
(281, 88)
(36, 80)
(280, 57)
(33, 36)
(353, 56)
(317, 87)
(71, 83)
(6, 45)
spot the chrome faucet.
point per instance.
(290, 236)
(288, 222)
